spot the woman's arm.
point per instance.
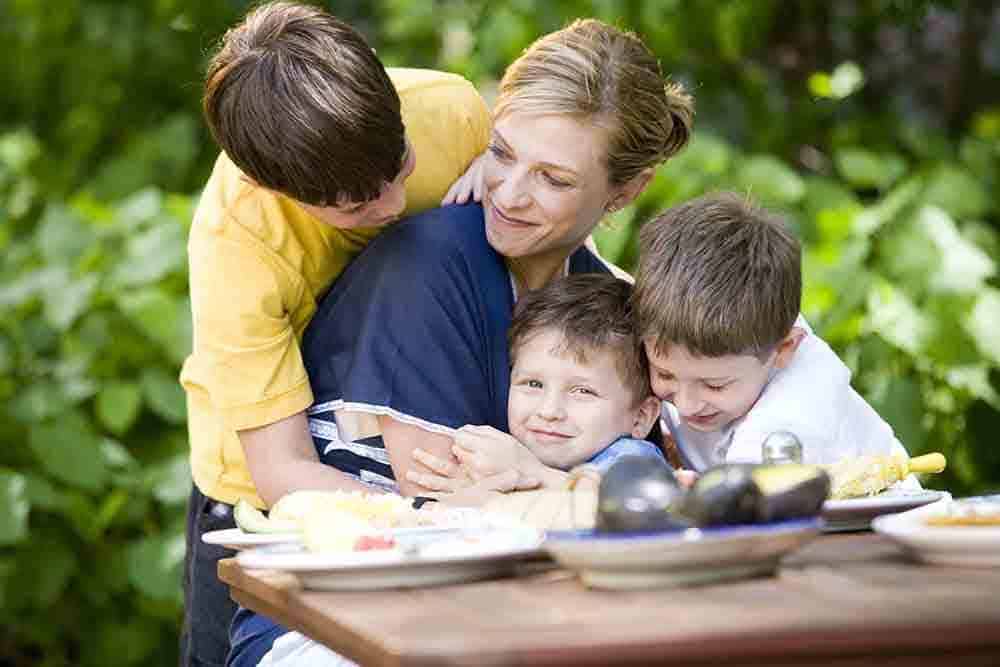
(401, 439)
(282, 458)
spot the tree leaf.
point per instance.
(164, 318)
(164, 394)
(901, 405)
(118, 405)
(982, 324)
(893, 316)
(866, 169)
(170, 481)
(770, 180)
(66, 303)
(14, 507)
(963, 267)
(61, 235)
(152, 255)
(154, 566)
(69, 451)
(958, 192)
(44, 569)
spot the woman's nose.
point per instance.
(508, 189)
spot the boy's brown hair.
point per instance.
(302, 105)
(594, 316)
(719, 276)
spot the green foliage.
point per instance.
(868, 123)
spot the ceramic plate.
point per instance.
(691, 556)
(235, 538)
(456, 517)
(964, 546)
(441, 556)
(857, 513)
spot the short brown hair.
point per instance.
(301, 104)
(593, 314)
(594, 71)
(719, 276)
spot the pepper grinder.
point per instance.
(781, 447)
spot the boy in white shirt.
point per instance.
(717, 298)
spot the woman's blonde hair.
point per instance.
(593, 71)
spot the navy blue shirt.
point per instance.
(415, 328)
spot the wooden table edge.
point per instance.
(803, 647)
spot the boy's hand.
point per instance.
(484, 451)
(469, 183)
(686, 478)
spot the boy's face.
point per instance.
(709, 392)
(566, 411)
(385, 209)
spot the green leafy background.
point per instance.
(873, 124)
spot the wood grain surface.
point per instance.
(843, 600)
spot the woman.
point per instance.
(414, 332)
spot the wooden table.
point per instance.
(843, 600)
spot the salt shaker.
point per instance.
(781, 447)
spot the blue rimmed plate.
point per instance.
(678, 558)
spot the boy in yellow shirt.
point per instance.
(322, 146)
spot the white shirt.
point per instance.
(812, 397)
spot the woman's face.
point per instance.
(546, 184)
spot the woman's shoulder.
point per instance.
(448, 230)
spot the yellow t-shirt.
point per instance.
(259, 263)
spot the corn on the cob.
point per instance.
(868, 475)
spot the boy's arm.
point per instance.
(281, 458)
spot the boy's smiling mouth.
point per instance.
(543, 435)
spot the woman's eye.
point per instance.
(586, 391)
(534, 384)
(499, 152)
(554, 181)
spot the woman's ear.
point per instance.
(628, 192)
(645, 416)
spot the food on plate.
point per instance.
(755, 493)
(639, 494)
(249, 519)
(868, 475)
(976, 511)
(377, 510)
(331, 530)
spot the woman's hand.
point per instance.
(439, 475)
(469, 183)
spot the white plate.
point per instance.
(460, 556)
(235, 538)
(692, 556)
(857, 513)
(454, 517)
(964, 546)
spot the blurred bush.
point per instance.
(868, 122)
